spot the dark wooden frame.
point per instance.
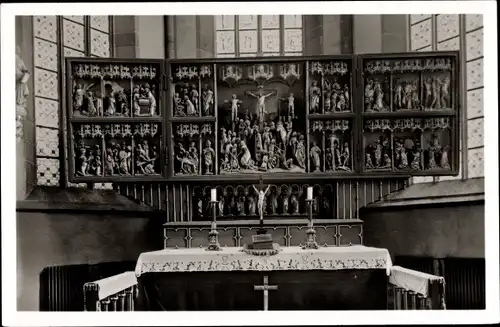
(357, 116)
(71, 120)
(454, 114)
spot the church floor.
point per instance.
(297, 290)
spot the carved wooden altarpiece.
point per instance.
(293, 121)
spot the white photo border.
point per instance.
(11, 317)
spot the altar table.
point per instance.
(330, 278)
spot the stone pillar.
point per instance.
(205, 36)
(185, 37)
(125, 37)
(367, 32)
(394, 33)
(332, 35)
(170, 36)
(150, 37)
(313, 35)
(139, 37)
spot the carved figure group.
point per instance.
(336, 99)
(407, 154)
(188, 159)
(375, 95)
(86, 102)
(186, 103)
(145, 159)
(338, 155)
(88, 160)
(268, 148)
(118, 159)
(436, 92)
(378, 155)
(406, 95)
(437, 155)
(143, 100)
(271, 200)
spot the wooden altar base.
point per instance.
(298, 290)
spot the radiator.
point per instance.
(465, 283)
(61, 287)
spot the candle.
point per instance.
(309, 193)
(214, 194)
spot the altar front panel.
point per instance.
(234, 290)
(330, 278)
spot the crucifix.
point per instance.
(261, 202)
(266, 288)
(261, 97)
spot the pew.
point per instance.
(115, 293)
(414, 290)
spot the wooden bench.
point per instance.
(414, 290)
(115, 293)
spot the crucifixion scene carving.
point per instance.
(261, 118)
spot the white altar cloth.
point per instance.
(289, 258)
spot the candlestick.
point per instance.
(310, 233)
(213, 239)
(309, 193)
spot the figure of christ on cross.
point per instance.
(265, 287)
(261, 201)
(261, 102)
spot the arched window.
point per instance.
(256, 35)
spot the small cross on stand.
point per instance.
(266, 288)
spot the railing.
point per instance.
(116, 293)
(413, 290)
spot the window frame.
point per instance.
(259, 29)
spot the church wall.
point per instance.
(440, 232)
(52, 239)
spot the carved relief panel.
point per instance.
(192, 90)
(409, 84)
(261, 118)
(194, 150)
(116, 128)
(281, 201)
(410, 113)
(101, 89)
(330, 86)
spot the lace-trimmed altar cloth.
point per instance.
(290, 258)
(412, 280)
